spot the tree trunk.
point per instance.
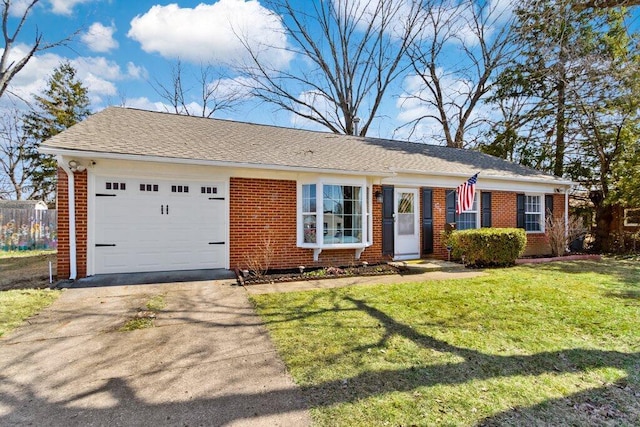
(558, 165)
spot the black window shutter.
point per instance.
(548, 205)
(450, 203)
(485, 219)
(520, 210)
(387, 220)
(427, 221)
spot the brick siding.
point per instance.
(266, 208)
(63, 259)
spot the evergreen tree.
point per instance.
(571, 103)
(63, 103)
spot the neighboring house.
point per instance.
(149, 191)
(26, 225)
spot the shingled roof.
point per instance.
(131, 132)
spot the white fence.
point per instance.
(27, 229)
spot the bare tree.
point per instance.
(450, 94)
(354, 50)
(212, 93)
(8, 67)
(14, 161)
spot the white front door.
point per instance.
(407, 231)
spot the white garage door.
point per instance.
(156, 225)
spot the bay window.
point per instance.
(333, 215)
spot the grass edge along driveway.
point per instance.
(531, 345)
(17, 305)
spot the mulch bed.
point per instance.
(245, 277)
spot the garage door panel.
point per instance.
(159, 230)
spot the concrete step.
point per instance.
(417, 266)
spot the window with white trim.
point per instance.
(333, 214)
(309, 214)
(533, 213)
(632, 217)
(469, 219)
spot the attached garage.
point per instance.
(151, 224)
(142, 191)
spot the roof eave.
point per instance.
(220, 163)
(522, 178)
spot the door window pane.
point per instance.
(405, 216)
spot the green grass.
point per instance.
(532, 345)
(20, 304)
(24, 254)
(156, 303)
(145, 318)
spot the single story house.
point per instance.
(148, 191)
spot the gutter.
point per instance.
(219, 163)
(73, 271)
(566, 214)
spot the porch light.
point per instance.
(378, 195)
(75, 166)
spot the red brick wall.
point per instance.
(503, 215)
(64, 267)
(266, 207)
(63, 226)
(81, 193)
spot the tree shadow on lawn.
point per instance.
(626, 271)
(25, 405)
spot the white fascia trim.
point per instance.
(219, 163)
(481, 175)
(73, 270)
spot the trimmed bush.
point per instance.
(488, 247)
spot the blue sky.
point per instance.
(124, 46)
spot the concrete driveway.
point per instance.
(208, 362)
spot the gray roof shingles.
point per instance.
(135, 132)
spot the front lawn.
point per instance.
(26, 269)
(19, 304)
(533, 345)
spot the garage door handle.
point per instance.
(161, 209)
(216, 243)
(102, 245)
(167, 209)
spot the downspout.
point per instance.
(72, 218)
(566, 213)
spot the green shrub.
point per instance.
(486, 247)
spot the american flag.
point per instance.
(466, 192)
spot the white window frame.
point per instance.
(541, 213)
(626, 218)
(477, 211)
(365, 215)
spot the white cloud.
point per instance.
(144, 103)
(232, 88)
(100, 38)
(136, 72)
(212, 33)
(65, 7)
(98, 74)
(319, 103)
(18, 7)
